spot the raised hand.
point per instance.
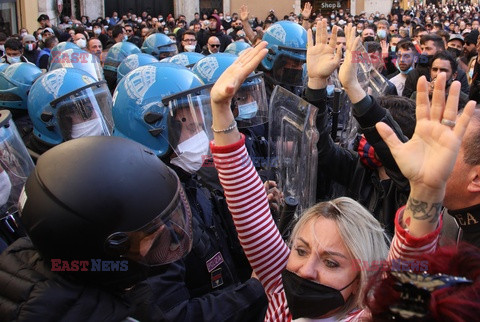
(244, 13)
(307, 10)
(348, 71)
(321, 57)
(428, 158)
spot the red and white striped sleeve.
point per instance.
(247, 201)
(405, 246)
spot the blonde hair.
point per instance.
(362, 234)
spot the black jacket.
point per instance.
(342, 166)
(30, 291)
(188, 290)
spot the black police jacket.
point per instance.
(30, 291)
(212, 283)
(342, 166)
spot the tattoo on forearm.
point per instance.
(423, 210)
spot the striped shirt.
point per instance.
(263, 245)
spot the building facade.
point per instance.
(15, 14)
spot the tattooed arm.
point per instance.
(428, 158)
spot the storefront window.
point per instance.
(8, 17)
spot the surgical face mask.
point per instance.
(368, 38)
(401, 71)
(393, 49)
(332, 16)
(39, 37)
(2, 47)
(191, 152)
(97, 31)
(307, 299)
(23, 34)
(125, 38)
(5, 187)
(382, 34)
(454, 51)
(425, 60)
(470, 73)
(13, 60)
(88, 128)
(82, 43)
(247, 111)
(190, 48)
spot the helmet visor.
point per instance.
(165, 239)
(189, 125)
(14, 158)
(249, 105)
(288, 70)
(80, 60)
(85, 112)
(167, 51)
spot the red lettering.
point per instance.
(56, 265)
(74, 58)
(65, 266)
(83, 57)
(74, 266)
(64, 59)
(84, 265)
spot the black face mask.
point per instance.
(368, 38)
(238, 27)
(307, 299)
(454, 51)
(425, 60)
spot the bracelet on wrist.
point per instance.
(229, 129)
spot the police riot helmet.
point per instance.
(164, 107)
(106, 198)
(237, 47)
(132, 62)
(15, 83)
(68, 103)
(117, 53)
(79, 59)
(160, 46)
(287, 49)
(187, 59)
(59, 48)
(249, 105)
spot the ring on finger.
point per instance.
(448, 122)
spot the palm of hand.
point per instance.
(321, 61)
(428, 157)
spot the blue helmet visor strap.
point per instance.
(165, 239)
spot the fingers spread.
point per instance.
(451, 108)
(388, 136)
(422, 100)
(438, 98)
(465, 118)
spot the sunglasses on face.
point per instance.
(128, 30)
(214, 45)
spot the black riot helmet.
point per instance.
(106, 198)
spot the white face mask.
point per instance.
(13, 60)
(247, 111)
(82, 43)
(190, 48)
(192, 152)
(2, 47)
(23, 34)
(125, 38)
(97, 31)
(5, 187)
(39, 37)
(88, 128)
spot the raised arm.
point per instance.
(246, 24)
(428, 158)
(306, 12)
(244, 191)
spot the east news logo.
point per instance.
(94, 265)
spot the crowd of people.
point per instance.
(130, 187)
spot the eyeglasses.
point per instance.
(214, 45)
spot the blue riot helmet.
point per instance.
(181, 124)
(15, 83)
(68, 103)
(249, 105)
(187, 59)
(287, 49)
(79, 59)
(117, 53)
(160, 46)
(237, 47)
(3, 66)
(132, 62)
(59, 48)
